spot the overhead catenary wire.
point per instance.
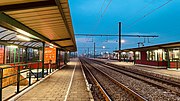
(147, 14)
(141, 9)
(102, 14)
(100, 11)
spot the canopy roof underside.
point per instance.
(45, 20)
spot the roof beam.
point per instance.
(64, 39)
(67, 46)
(16, 41)
(3, 31)
(6, 35)
(29, 5)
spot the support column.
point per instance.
(158, 58)
(134, 57)
(120, 41)
(168, 60)
(57, 58)
(26, 50)
(43, 49)
(4, 58)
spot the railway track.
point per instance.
(111, 89)
(161, 83)
(151, 89)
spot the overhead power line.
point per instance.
(147, 14)
(102, 14)
(141, 9)
(102, 7)
(116, 35)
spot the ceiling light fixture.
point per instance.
(12, 46)
(23, 38)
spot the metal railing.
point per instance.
(29, 73)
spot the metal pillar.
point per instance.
(94, 49)
(119, 41)
(168, 60)
(26, 50)
(4, 58)
(57, 58)
(134, 57)
(43, 49)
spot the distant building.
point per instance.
(162, 55)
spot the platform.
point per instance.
(166, 72)
(67, 84)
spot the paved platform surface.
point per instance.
(172, 73)
(67, 84)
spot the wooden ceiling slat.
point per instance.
(42, 21)
(37, 10)
(54, 27)
(35, 17)
(51, 22)
(25, 15)
(45, 23)
(27, 19)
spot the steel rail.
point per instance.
(127, 72)
(105, 95)
(131, 92)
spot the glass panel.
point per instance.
(138, 55)
(152, 55)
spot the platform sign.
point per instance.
(50, 54)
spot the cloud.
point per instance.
(84, 40)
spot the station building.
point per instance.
(162, 55)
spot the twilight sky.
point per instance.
(138, 17)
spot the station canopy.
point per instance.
(154, 47)
(40, 20)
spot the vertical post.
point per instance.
(26, 50)
(4, 58)
(19, 54)
(119, 41)
(15, 55)
(1, 83)
(43, 49)
(134, 57)
(29, 75)
(158, 57)
(94, 49)
(168, 59)
(37, 78)
(18, 79)
(57, 58)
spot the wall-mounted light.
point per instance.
(23, 38)
(51, 44)
(12, 46)
(51, 47)
(123, 53)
